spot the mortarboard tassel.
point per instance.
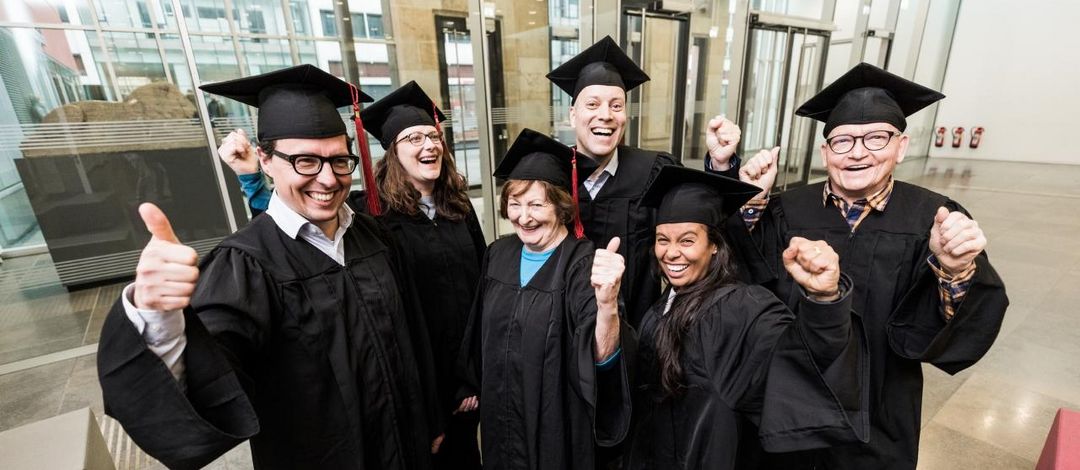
(435, 114)
(579, 230)
(365, 155)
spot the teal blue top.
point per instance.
(255, 189)
(531, 263)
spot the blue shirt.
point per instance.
(255, 189)
(531, 263)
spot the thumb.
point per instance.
(775, 152)
(939, 218)
(156, 223)
(613, 245)
(715, 123)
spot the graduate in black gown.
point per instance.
(716, 353)
(301, 332)
(546, 339)
(924, 287)
(426, 208)
(614, 175)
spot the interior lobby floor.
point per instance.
(994, 415)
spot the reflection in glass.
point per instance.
(97, 133)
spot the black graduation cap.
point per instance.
(297, 102)
(401, 109)
(682, 194)
(535, 156)
(301, 103)
(867, 94)
(603, 63)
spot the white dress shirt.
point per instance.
(164, 331)
(596, 180)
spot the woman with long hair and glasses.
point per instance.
(425, 206)
(724, 368)
(545, 338)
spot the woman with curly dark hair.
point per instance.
(720, 361)
(424, 204)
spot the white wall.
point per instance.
(1014, 69)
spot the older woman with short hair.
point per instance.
(544, 350)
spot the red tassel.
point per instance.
(365, 156)
(435, 114)
(579, 230)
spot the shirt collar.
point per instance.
(877, 201)
(291, 222)
(611, 168)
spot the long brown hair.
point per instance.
(396, 190)
(685, 312)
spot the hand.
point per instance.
(436, 443)
(237, 152)
(955, 240)
(166, 275)
(721, 138)
(607, 271)
(467, 405)
(761, 170)
(814, 266)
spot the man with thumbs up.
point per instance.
(923, 284)
(300, 333)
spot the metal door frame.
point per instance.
(790, 26)
(677, 93)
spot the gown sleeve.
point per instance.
(469, 360)
(916, 329)
(226, 327)
(606, 392)
(801, 379)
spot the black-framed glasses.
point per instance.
(417, 138)
(311, 165)
(875, 140)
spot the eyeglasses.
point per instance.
(311, 165)
(875, 140)
(417, 138)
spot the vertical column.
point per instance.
(200, 101)
(481, 70)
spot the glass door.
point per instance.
(658, 43)
(784, 66)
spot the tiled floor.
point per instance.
(994, 415)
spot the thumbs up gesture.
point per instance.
(761, 170)
(607, 271)
(166, 275)
(815, 266)
(237, 152)
(955, 240)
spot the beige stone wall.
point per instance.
(526, 56)
(416, 49)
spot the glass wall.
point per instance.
(101, 108)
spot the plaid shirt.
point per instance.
(951, 289)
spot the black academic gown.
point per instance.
(543, 404)
(896, 294)
(748, 359)
(319, 365)
(444, 257)
(615, 213)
